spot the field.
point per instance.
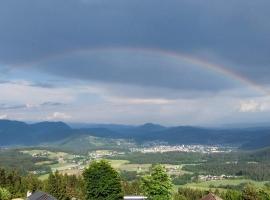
(59, 161)
(206, 185)
(125, 165)
(48, 154)
(74, 164)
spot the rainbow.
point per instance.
(220, 69)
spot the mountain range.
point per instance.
(21, 133)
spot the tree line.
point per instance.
(21, 162)
(252, 165)
(100, 181)
(248, 192)
(254, 171)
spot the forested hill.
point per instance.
(20, 133)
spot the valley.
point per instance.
(192, 169)
(205, 166)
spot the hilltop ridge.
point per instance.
(21, 133)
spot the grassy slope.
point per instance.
(216, 183)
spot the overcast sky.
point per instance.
(174, 62)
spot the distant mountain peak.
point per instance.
(149, 124)
(52, 123)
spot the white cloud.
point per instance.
(134, 101)
(128, 104)
(252, 106)
(58, 116)
(3, 116)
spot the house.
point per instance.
(135, 198)
(211, 196)
(38, 195)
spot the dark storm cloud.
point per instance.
(236, 32)
(145, 69)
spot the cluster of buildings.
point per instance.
(41, 154)
(103, 153)
(212, 178)
(179, 148)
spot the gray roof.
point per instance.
(38, 195)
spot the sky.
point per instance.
(173, 62)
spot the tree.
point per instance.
(157, 185)
(264, 194)
(102, 182)
(4, 194)
(191, 194)
(74, 186)
(131, 188)
(179, 197)
(249, 192)
(56, 187)
(32, 183)
(232, 195)
(2, 177)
